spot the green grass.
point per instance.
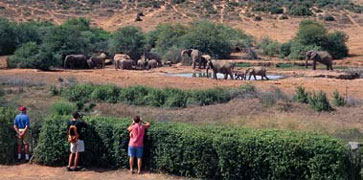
(243, 65)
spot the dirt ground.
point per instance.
(159, 78)
(36, 172)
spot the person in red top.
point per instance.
(136, 144)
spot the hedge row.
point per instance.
(7, 136)
(141, 95)
(203, 152)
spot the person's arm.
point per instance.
(16, 127)
(130, 127)
(146, 124)
(26, 127)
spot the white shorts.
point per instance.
(77, 147)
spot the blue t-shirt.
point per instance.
(21, 120)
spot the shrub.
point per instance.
(276, 10)
(140, 95)
(207, 152)
(269, 47)
(300, 10)
(329, 18)
(128, 40)
(25, 56)
(338, 100)
(311, 33)
(336, 44)
(62, 108)
(7, 136)
(301, 95)
(8, 39)
(319, 102)
(208, 38)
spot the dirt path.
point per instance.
(30, 172)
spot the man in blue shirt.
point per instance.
(22, 128)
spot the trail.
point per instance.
(222, 11)
(352, 19)
(180, 13)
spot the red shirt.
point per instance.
(137, 135)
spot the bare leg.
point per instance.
(76, 159)
(26, 148)
(139, 163)
(70, 160)
(131, 164)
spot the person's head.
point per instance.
(22, 109)
(76, 115)
(136, 119)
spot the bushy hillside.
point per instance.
(111, 13)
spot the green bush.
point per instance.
(8, 37)
(209, 38)
(128, 40)
(7, 136)
(329, 18)
(301, 95)
(25, 56)
(319, 102)
(336, 44)
(203, 152)
(269, 47)
(338, 100)
(300, 10)
(140, 95)
(62, 108)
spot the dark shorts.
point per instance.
(136, 152)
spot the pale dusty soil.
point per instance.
(35, 172)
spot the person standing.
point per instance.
(74, 130)
(22, 128)
(136, 144)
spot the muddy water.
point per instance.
(219, 75)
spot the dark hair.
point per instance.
(137, 119)
(76, 115)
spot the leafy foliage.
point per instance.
(301, 95)
(338, 100)
(62, 108)
(204, 152)
(128, 40)
(140, 95)
(7, 136)
(319, 102)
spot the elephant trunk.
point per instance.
(207, 71)
(306, 62)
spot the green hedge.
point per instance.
(7, 136)
(141, 95)
(203, 152)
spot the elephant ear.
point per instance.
(314, 55)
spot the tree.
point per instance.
(8, 38)
(128, 40)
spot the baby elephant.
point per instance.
(239, 75)
(260, 71)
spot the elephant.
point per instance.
(125, 64)
(118, 58)
(195, 54)
(98, 60)
(75, 61)
(261, 71)
(168, 63)
(223, 67)
(149, 55)
(319, 56)
(152, 63)
(239, 75)
(141, 64)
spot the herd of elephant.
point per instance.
(121, 61)
(152, 60)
